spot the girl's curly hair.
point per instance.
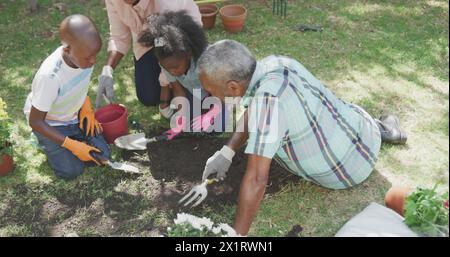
(178, 33)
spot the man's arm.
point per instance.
(221, 161)
(253, 187)
(239, 138)
(38, 124)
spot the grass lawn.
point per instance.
(386, 56)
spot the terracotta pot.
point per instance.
(395, 198)
(6, 165)
(209, 13)
(233, 17)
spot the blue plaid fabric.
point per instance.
(299, 122)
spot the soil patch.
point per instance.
(176, 166)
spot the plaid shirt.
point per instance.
(299, 122)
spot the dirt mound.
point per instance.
(177, 165)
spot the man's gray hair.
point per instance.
(227, 60)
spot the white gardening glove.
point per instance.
(219, 163)
(168, 111)
(105, 86)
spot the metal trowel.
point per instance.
(139, 141)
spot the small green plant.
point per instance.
(5, 130)
(426, 212)
(187, 225)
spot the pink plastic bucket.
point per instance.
(114, 121)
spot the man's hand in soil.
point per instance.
(219, 163)
(253, 187)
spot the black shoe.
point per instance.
(391, 132)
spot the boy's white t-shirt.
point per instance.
(59, 90)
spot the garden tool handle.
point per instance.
(305, 28)
(211, 181)
(157, 139)
(99, 158)
(169, 134)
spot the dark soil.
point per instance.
(295, 231)
(177, 166)
(93, 206)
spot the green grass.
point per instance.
(387, 56)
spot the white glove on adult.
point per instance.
(105, 86)
(219, 163)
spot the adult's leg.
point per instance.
(63, 162)
(389, 126)
(390, 130)
(146, 71)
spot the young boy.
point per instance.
(58, 108)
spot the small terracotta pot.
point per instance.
(209, 13)
(6, 165)
(395, 198)
(233, 17)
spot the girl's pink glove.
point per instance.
(171, 133)
(204, 121)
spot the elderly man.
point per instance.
(292, 117)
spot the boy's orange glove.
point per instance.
(86, 114)
(80, 150)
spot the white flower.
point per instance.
(206, 222)
(203, 224)
(195, 222)
(216, 230)
(181, 218)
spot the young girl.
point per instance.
(178, 43)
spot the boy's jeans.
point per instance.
(63, 162)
